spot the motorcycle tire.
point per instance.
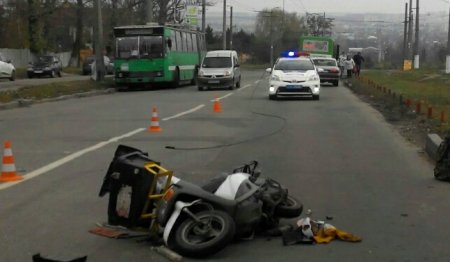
(192, 239)
(291, 207)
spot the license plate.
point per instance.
(213, 81)
(38, 71)
(293, 86)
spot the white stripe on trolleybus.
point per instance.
(182, 67)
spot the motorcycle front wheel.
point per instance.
(291, 207)
(212, 233)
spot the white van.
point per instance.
(220, 69)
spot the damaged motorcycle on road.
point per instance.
(195, 221)
(199, 221)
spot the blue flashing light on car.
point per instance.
(293, 53)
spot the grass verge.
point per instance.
(53, 90)
(425, 92)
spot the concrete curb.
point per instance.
(431, 145)
(29, 102)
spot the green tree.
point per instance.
(318, 24)
(277, 29)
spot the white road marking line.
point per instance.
(256, 82)
(222, 97)
(244, 87)
(75, 155)
(69, 158)
(184, 113)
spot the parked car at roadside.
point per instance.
(88, 62)
(7, 70)
(330, 72)
(45, 65)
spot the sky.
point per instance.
(333, 6)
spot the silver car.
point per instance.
(219, 69)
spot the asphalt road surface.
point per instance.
(337, 155)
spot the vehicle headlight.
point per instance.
(201, 73)
(313, 78)
(227, 73)
(124, 67)
(275, 78)
(47, 68)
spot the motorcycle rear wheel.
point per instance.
(291, 207)
(194, 239)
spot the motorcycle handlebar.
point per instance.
(249, 168)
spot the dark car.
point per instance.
(88, 61)
(330, 72)
(46, 65)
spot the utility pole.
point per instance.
(447, 62)
(405, 30)
(231, 28)
(203, 15)
(224, 28)
(410, 31)
(271, 40)
(99, 63)
(323, 27)
(416, 38)
(149, 11)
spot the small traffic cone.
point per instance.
(217, 107)
(154, 124)
(8, 167)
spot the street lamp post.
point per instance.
(231, 27)
(224, 27)
(99, 63)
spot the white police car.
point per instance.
(294, 75)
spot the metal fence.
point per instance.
(21, 57)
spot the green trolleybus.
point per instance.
(151, 54)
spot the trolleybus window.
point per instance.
(127, 46)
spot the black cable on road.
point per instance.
(251, 139)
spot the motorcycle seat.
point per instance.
(213, 184)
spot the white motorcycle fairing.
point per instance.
(179, 205)
(228, 189)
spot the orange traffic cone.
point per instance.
(8, 167)
(154, 125)
(217, 107)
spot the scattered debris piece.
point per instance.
(317, 231)
(108, 232)
(116, 231)
(169, 254)
(38, 258)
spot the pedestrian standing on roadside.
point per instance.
(349, 65)
(359, 59)
(341, 63)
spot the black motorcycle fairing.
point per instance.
(127, 170)
(121, 155)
